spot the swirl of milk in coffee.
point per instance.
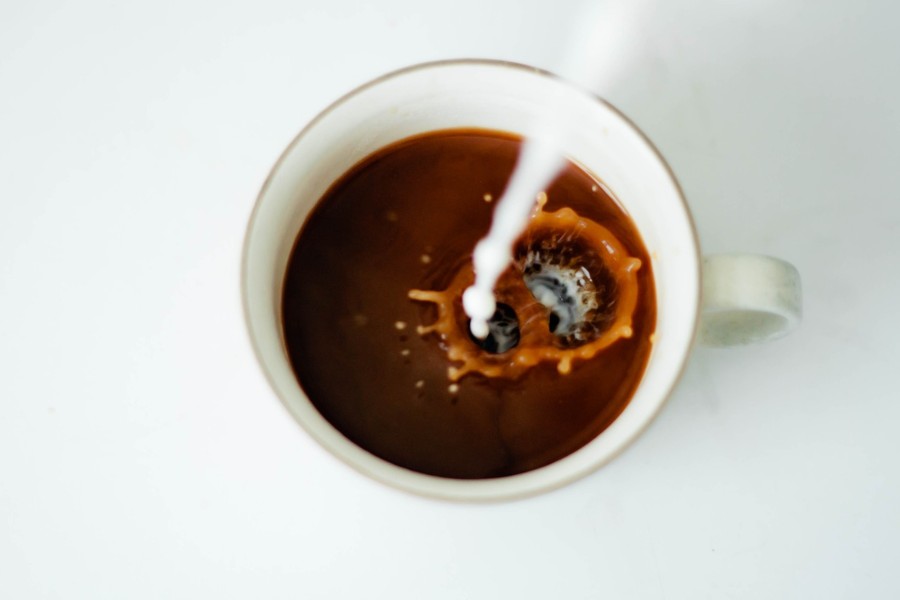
(569, 293)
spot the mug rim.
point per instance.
(561, 481)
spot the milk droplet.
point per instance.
(480, 306)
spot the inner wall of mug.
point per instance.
(491, 96)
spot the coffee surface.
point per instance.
(407, 218)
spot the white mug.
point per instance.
(728, 299)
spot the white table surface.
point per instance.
(143, 455)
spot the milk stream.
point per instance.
(600, 50)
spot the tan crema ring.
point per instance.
(537, 344)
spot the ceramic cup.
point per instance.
(727, 299)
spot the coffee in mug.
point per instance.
(372, 312)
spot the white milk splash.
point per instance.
(596, 58)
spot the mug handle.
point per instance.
(748, 298)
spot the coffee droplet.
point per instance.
(400, 325)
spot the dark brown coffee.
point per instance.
(390, 244)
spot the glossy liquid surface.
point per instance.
(408, 218)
